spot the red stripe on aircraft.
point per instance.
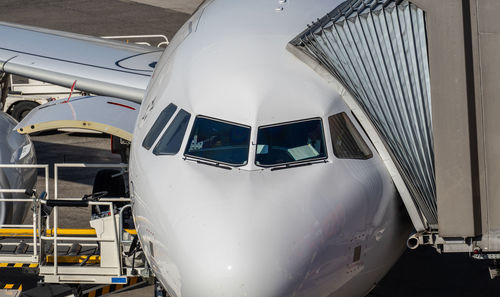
(122, 105)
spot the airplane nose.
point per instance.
(218, 267)
(232, 256)
(232, 233)
(226, 277)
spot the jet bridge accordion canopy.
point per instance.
(378, 50)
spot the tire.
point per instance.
(159, 290)
(21, 109)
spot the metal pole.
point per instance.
(35, 249)
(47, 219)
(120, 223)
(118, 254)
(55, 219)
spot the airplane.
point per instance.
(249, 174)
(15, 149)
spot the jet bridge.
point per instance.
(375, 50)
(422, 77)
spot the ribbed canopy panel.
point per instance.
(378, 50)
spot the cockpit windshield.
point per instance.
(290, 143)
(219, 141)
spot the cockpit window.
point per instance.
(219, 141)
(290, 143)
(346, 141)
(170, 142)
(158, 126)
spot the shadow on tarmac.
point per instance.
(426, 273)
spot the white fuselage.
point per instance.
(332, 228)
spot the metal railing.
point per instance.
(36, 221)
(104, 245)
(126, 38)
(120, 221)
(103, 201)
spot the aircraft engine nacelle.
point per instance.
(14, 149)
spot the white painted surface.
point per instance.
(252, 231)
(117, 114)
(98, 66)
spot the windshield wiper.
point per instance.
(295, 165)
(209, 163)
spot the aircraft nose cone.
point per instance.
(230, 233)
(231, 256)
(218, 268)
(227, 278)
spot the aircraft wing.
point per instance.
(98, 66)
(105, 114)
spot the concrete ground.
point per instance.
(420, 273)
(186, 6)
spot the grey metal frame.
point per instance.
(378, 51)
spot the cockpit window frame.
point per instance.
(168, 134)
(160, 123)
(291, 164)
(186, 155)
(357, 147)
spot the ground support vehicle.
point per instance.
(25, 94)
(81, 262)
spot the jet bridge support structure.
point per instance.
(423, 76)
(375, 49)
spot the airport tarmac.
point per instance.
(419, 273)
